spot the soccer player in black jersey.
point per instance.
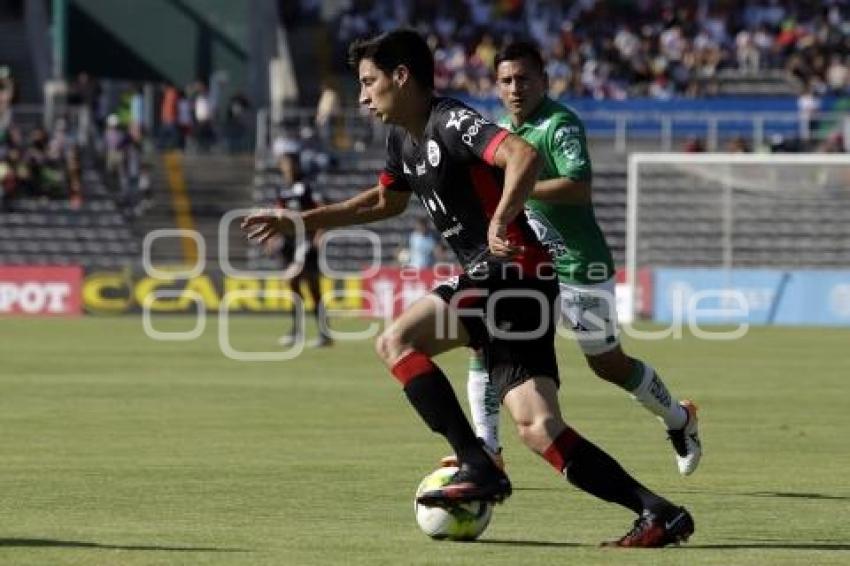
(296, 194)
(474, 178)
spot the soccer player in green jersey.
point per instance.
(560, 210)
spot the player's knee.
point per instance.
(535, 431)
(389, 346)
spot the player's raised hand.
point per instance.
(264, 224)
(497, 239)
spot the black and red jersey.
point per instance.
(299, 196)
(451, 170)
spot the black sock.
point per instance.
(592, 470)
(431, 394)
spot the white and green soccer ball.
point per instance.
(465, 521)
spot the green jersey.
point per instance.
(570, 232)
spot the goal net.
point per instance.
(731, 211)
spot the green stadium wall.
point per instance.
(154, 40)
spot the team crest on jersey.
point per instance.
(456, 118)
(433, 153)
(566, 139)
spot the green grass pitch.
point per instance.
(116, 449)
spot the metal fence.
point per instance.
(646, 130)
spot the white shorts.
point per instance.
(590, 311)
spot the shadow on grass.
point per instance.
(766, 545)
(772, 545)
(537, 543)
(795, 495)
(780, 494)
(51, 543)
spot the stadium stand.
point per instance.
(617, 50)
(681, 224)
(95, 234)
(758, 48)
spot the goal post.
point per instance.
(735, 210)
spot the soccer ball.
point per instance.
(465, 521)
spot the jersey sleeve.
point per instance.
(467, 135)
(392, 175)
(566, 146)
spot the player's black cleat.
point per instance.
(469, 484)
(655, 531)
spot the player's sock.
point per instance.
(297, 322)
(322, 320)
(590, 469)
(649, 390)
(431, 394)
(483, 403)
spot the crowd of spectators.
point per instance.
(35, 162)
(125, 122)
(192, 118)
(619, 48)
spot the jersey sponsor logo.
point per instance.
(433, 153)
(539, 229)
(453, 231)
(457, 118)
(407, 170)
(473, 130)
(566, 130)
(550, 238)
(421, 169)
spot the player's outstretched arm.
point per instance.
(563, 191)
(371, 205)
(521, 163)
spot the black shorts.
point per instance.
(512, 320)
(311, 258)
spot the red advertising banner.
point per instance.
(41, 291)
(393, 289)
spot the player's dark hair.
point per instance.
(521, 50)
(391, 49)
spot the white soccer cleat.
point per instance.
(686, 441)
(288, 340)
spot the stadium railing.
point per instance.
(658, 129)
